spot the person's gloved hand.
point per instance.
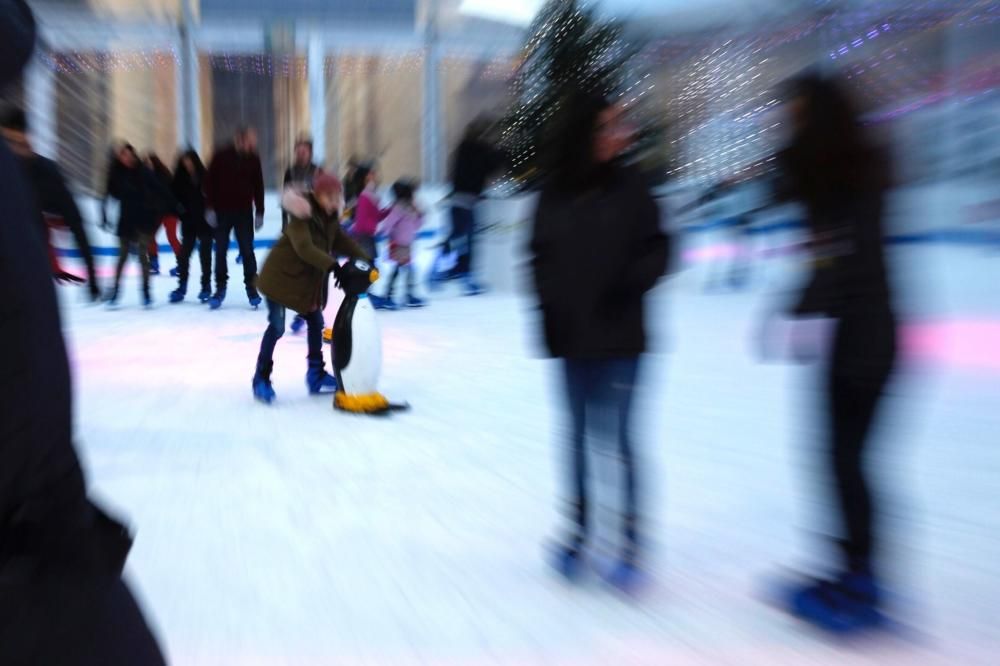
(62, 277)
(211, 219)
(337, 271)
(258, 222)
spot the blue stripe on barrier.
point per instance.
(957, 236)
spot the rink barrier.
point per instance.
(258, 244)
(950, 236)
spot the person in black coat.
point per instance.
(476, 160)
(166, 213)
(62, 597)
(142, 198)
(597, 248)
(834, 169)
(52, 195)
(187, 188)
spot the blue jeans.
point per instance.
(276, 329)
(599, 397)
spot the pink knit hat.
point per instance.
(326, 182)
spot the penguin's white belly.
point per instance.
(360, 376)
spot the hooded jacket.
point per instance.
(298, 265)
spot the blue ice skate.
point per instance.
(215, 302)
(845, 606)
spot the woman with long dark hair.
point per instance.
(835, 170)
(188, 179)
(597, 248)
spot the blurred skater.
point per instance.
(137, 190)
(301, 173)
(234, 188)
(597, 248)
(299, 176)
(188, 187)
(832, 167)
(728, 206)
(401, 225)
(350, 186)
(166, 215)
(476, 160)
(62, 597)
(367, 213)
(57, 207)
(294, 275)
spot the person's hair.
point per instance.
(115, 165)
(159, 168)
(13, 118)
(403, 190)
(570, 162)
(830, 153)
(360, 178)
(304, 140)
(191, 154)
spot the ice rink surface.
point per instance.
(297, 535)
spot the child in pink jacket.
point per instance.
(366, 211)
(402, 222)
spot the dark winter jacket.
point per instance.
(849, 278)
(187, 189)
(47, 525)
(595, 254)
(235, 182)
(51, 193)
(163, 197)
(142, 197)
(17, 38)
(475, 161)
(298, 266)
(53, 198)
(300, 177)
(62, 600)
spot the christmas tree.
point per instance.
(571, 49)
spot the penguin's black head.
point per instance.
(356, 276)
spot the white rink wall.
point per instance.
(952, 211)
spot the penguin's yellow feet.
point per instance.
(369, 403)
(328, 335)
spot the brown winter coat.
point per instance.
(298, 265)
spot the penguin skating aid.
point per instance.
(357, 345)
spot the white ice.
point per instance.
(294, 534)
